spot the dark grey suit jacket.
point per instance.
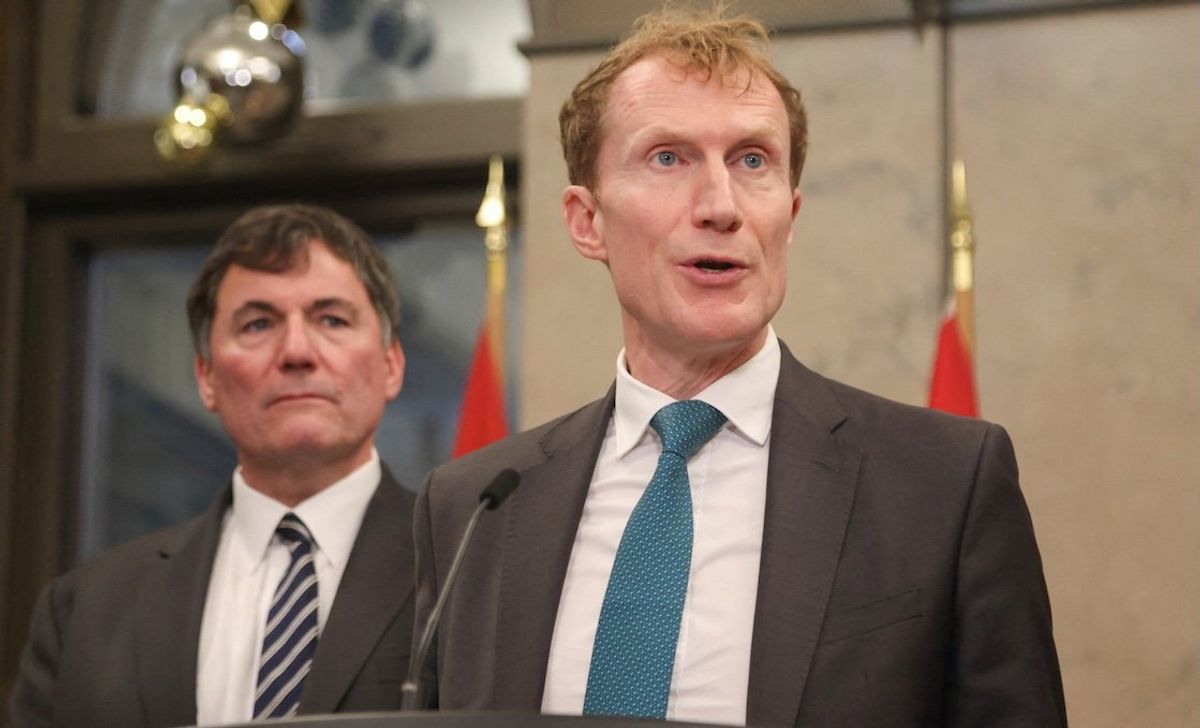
(115, 641)
(900, 583)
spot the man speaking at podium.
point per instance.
(294, 592)
(727, 536)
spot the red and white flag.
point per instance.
(482, 419)
(952, 387)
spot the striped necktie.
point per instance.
(634, 652)
(290, 638)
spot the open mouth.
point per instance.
(713, 265)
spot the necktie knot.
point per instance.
(293, 531)
(686, 425)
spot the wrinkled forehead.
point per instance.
(658, 92)
(665, 76)
(283, 268)
(286, 259)
(729, 73)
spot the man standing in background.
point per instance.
(294, 591)
(727, 536)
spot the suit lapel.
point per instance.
(170, 607)
(811, 479)
(543, 516)
(376, 586)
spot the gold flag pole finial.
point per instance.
(962, 252)
(493, 217)
(491, 210)
(271, 11)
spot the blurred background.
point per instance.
(1078, 123)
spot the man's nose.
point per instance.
(716, 200)
(297, 352)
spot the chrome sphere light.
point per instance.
(256, 69)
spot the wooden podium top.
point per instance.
(463, 720)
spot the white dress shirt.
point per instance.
(249, 563)
(728, 477)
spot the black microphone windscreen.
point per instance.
(502, 486)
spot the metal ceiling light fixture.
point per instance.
(240, 81)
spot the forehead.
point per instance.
(658, 89)
(312, 272)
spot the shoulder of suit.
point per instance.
(873, 417)
(108, 565)
(519, 451)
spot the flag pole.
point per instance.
(952, 384)
(482, 419)
(493, 218)
(962, 251)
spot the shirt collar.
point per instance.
(745, 396)
(332, 516)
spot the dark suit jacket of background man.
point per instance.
(900, 583)
(115, 642)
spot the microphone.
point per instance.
(502, 486)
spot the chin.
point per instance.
(308, 444)
(719, 331)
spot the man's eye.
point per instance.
(666, 159)
(753, 161)
(332, 321)
(258, 324)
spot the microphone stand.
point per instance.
(493, 495)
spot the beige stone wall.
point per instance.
(570, 329)
(1081, 134)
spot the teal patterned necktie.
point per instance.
(634, 651)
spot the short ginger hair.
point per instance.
(703, 41)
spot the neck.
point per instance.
(682, 372)
(298, 479)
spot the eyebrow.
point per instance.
(321, 304)
(255, 305)
(334, 304)
(751, 135)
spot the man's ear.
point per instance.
(394, 358)
(797, 199)
(203, 371)
(580, 213)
